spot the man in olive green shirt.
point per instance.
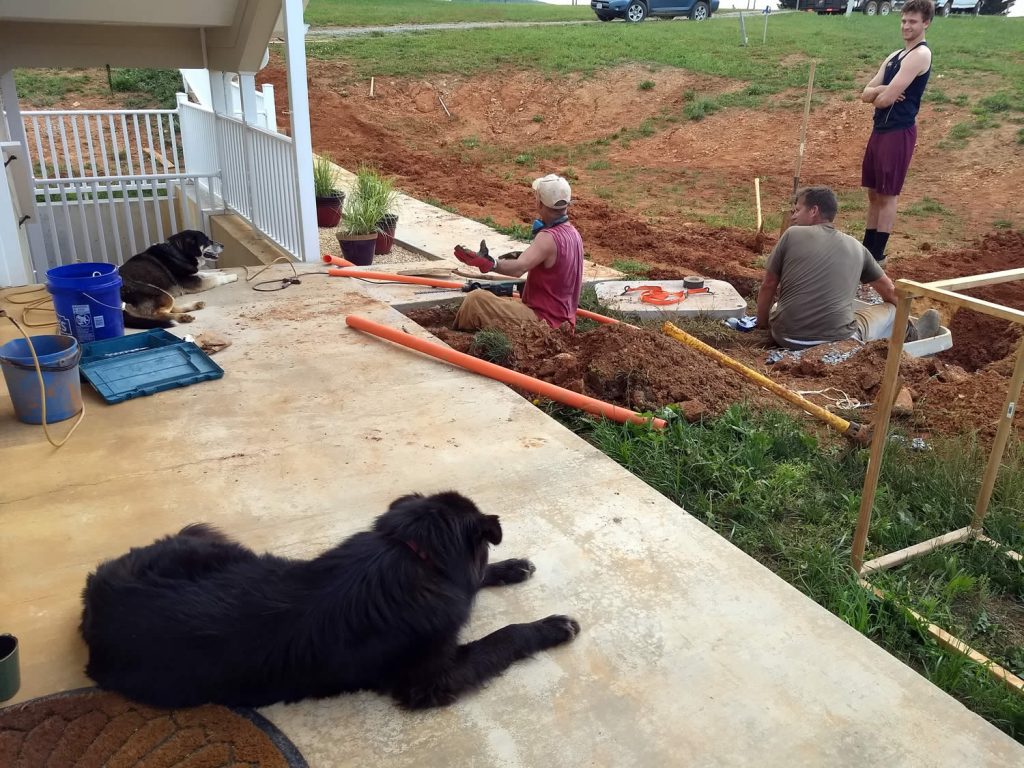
(810, 283)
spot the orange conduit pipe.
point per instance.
(431, 281)
(336, 260)
(504, 375)
(598, 318)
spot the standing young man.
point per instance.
(895, 91)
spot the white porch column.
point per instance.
(302, 142)
(247, 89)
(221, 103)
(29, 234)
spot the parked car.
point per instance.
(867, 7)
(957, 6)
(638, 10)
(884, 7)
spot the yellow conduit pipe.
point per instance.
(851, 429)
(504, 375)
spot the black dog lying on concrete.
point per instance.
(196, 618)
(152, 280)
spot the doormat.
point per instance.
(89, 728)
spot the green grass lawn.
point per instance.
(361, 13)
(847, 51)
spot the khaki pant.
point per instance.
(874, 322)
(482, 309)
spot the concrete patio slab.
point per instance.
(691, 652)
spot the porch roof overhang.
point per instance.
(228, 35)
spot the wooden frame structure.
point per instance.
(944, 291)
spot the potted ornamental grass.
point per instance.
(329, 198)
(381, 189)
(368, 220)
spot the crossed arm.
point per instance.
(881, 96)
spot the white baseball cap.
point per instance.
(553, 191)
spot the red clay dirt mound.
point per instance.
(407, 135)
(977, 339)
(643, 369)
(634, 368)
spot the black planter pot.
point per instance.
(386, 234)
(358, 248)
(328, 211)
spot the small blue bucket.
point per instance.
(87, 300)
(58, 361)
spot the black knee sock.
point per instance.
(869, 239)
(881, 239)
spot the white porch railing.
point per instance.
(111, 218)
(258, 176)
(109, 183)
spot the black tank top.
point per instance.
(901, 114)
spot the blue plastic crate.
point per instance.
(144, 363)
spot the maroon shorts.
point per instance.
(887, 159)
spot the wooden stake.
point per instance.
(953, 643)
(996, 545)
(887, 396)
(803, 142)
(995, 458)
(803, 128)
(371, 87)
(924, 290)
(909, 553)
(757, 198)
(443, 106)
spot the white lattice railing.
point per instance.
(78, 144)
(111, 218)
(108, 183)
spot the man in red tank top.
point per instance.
(553, 264)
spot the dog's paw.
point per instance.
(184, 318)
(200, 305)
(229, 278)
(513, 571)
(558, 630)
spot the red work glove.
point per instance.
(482, 260)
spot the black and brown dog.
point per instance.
(196, 617)
(153, 279)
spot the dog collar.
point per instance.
(418, 552)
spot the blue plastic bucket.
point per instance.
(58, 361)
(87, 299)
